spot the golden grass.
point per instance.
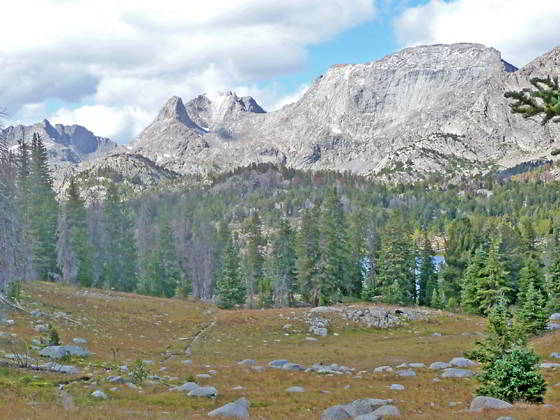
(121, 328)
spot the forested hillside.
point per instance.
(274, 236)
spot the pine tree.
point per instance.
(427, 275)
(533, 317)
(308, 254)
(168, 272)
(334, 255)
(75, 253)
(254, 259)
(358, 253)
(470, 299)
(553, 281)
(493, 281)
(121, 259)
(42, 209)
(230, 287)
(282, 265)
(531, 274)
(396, 262)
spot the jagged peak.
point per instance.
(174, 109)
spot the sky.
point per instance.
(110, 65)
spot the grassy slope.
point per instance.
(121, 328)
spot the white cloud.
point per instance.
(118, 54)
(522, 30)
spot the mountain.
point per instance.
(66, 144)
(423, 110)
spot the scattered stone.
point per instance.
(480, 403)
(554, 355)
(335, 413)
(186, 362)
(55, 367)
(322, 332)
(58, 352)
(311, 339)
(416, 365)
(238, 388)
(99, 394)
(436, 335)
(407, 372)
(37, 313)
(549, 365)
(41, 328)
(203, 391)
(187, 387)
(397, 387)
(327, 309)
(462, 362)
(258, 368)
(131, 385)
(369, 416)
(386, 411)
(277, 363)
(383, 369)
(555, 316)
(248, 362)
(439, 365)
(79, 341)
(116, 380)
(364, 406)
(203, 376)
(454, 403)
(123, 368)
(457, 373)
(237, 409)
(293, 367)
(295, 389)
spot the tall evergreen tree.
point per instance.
(254, 260)
(492, 284)
(308, 254)
(532, 316)
(427, 275)
(282, 265)
(531, 274)
(167, 275)
(121, 258)
(358, 253)
(396, 278)
(553, 281)
(43, 210)
(334, 254)
(230, 287)
(470, 299)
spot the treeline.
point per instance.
(275, 236)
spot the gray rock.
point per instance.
(295, 389)
(57, 352)
(99, 394)
(37, 313)
(186, 362)
(553, 326)
(203, 391)
(407, 372)
(397, 387)
(311, 339)
(55, 367)
(123, 368)
(293, 367)
(480, 403)
(436, 335)
(322, 332)
(364, 406)
(187, 386)
(462, 362)
(416, 365)
(439, 365)
(258, 368)
(41, 328)
(369, 416)
(383, 369)
(238, 409)
(248, 362)
(277, 363)
(79, 341)
(387, 411)
(116, 380)
(457, 373)
(204, 376)
(554, 355)
(335, 413)
(555, 316)
(549, 365)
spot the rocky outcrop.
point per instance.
(66, 144)
(423, 110)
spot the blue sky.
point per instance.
(110, 66)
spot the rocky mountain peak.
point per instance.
(174, 109)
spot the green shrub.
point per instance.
(54, 338)
(514, 377)
(139, 372)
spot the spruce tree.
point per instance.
(358, 253)
(167, 273)
(532, 316)
(427, 275)
(282, 265)
(230, 286)
(470, 299)
(553, 281)
(531, 274)
(254, 259)
(308, 254)
(334, 255)
(493, 281)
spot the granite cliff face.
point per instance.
(66, 144)
(427, 109)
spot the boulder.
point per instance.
(58, 352)
(204, 376)
(238, 409)
(248, 362)
(480, 403)
(416, 365)
(293, 367)
(407, 372)
(364, 406)
(387, 411)
(99, 394)
(554, 355)
(382, 369)
(277, 363)
(462, 362)
(335, 413)
(439, 365)
(322, 332)
(397, 387)
(203, 391)
(116, 380)
(41, 328)
(55, 367)
(187, 386)
(79, 341)
(549, 365)
(457, 373)
(369, 416)
(555, 316)
(295, 389)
